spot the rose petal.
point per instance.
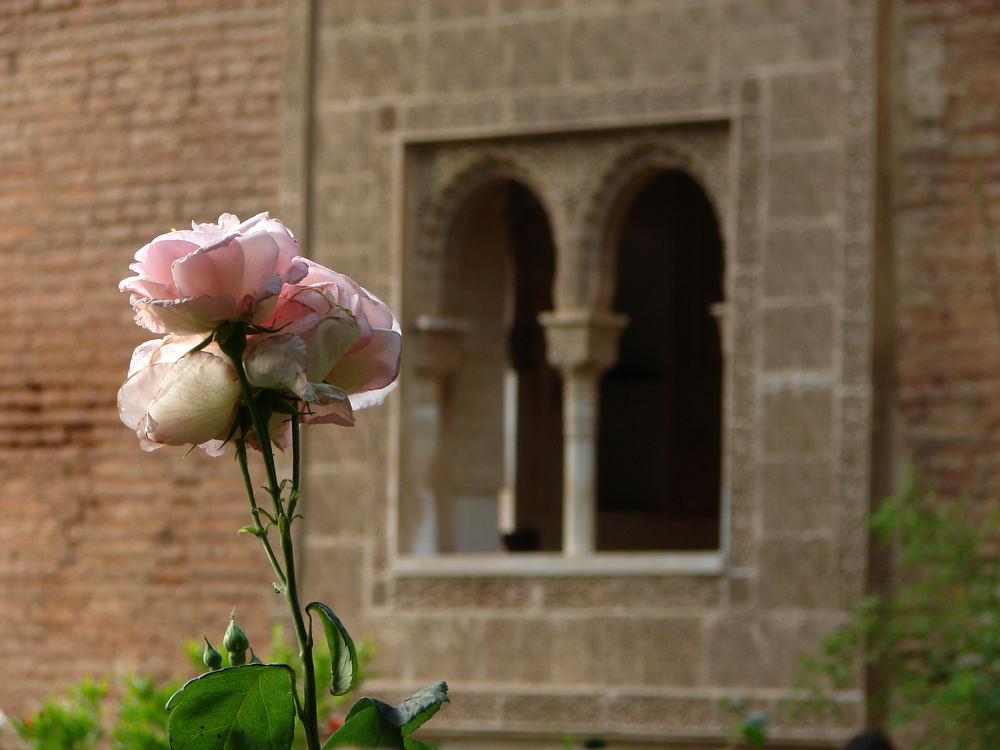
(210, 272)
(328, 341)
(153, 261)
(195, 402)
(370, 369)
(185, 316)
(327, 404)
(277, 362)
(137, 392)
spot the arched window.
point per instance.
(502, 445)
(660, 421)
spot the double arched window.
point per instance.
(495, 481)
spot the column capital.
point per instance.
(582, 341)
(438, 344)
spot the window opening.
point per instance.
(502, 444)
(660, 417)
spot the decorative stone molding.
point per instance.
(451, 177)
(437, 344)
(701, 155)
(582, 342)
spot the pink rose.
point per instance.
(193, 281)
(176, 396)
(317, 338)
(337, 347)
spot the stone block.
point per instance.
(800, 260)
(535, 51)
(548, 710)
(344, 143)
(741, 592)
(743, 48)
(520, 6)
(447, 9)
(602, 48)
(748, 652)
(633, 710)
(820, 26)
(340, 501)
(366, 64)
(798, 496)
(466, 593)
(478, 708)
(464, 59)
(804, 184)
(798, 573)
(797, 421)
(519, 650)
(804, 107)
(339, 13)
(383, 12)
(447, 646)
(672, 40)
(459, 114)
(602, 593)
(336, 576)
(798, 337)
(571, 656)
(652, 651)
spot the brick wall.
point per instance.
(118, 121)
(945, 183)
(122, 119)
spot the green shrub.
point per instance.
(75, 718)
(934, 636)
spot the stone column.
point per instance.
(437, 354)
(581, 344)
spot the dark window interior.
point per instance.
(660, 428)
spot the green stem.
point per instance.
(263, 435)
(296, 468)
(241, 455)
(307, 709)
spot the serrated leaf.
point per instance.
(251, 707)
(343, 654)
(372, 723)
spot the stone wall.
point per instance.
(403, 92)
(118, 121)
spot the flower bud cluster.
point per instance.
(236, 645)
(313, 337)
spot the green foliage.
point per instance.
(374, 724)
(234, 708)
(329, 708)
(934, 638)
(68, 722)
(749, 729)
(142, 721)
(342, 654)
(73, 719)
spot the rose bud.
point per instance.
(211, 657)
(236, 643)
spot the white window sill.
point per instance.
(550, 564)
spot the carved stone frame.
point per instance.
(582, 179)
